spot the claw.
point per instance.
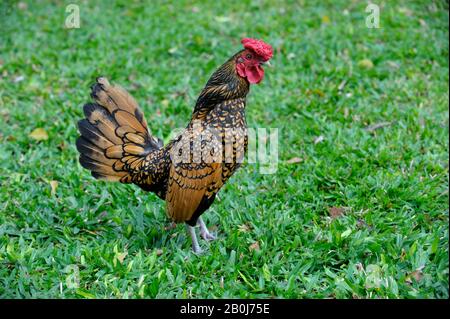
(207, 236)
(204, 232)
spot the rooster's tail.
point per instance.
(114, 137)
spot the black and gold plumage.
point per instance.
(116, 145)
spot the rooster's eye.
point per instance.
(249, 56)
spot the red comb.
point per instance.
(261, 48)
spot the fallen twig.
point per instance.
(377, 126)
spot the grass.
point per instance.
(361, 212)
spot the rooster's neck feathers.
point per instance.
(225, 84)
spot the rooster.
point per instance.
(115, 143)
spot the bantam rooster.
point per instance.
(115, 143)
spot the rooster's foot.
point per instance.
(195, 246)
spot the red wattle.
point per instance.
(254, 74)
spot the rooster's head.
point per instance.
(249, 62)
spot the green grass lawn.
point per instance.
(355, 209)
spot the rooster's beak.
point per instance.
(267, 63)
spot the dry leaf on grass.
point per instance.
(335, 212)
(416, 274)
(170, 226)
(121, 256)
(39, 134)
(244, 228)
(54, 186)
(22, 6)
(254, 246)
(294, 160)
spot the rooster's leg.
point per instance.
(195, 246)
(204, 232)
